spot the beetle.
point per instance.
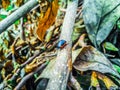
(61, 44)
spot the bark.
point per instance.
(60, 71)
(4, 24)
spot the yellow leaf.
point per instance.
(47, 19)
(5, 3)
(3, 72)
(13, 49)
(108, 82)
(94, 80)
(30, 68)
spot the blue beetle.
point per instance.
(61, 44)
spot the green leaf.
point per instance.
(17, 22)
(118, 24)
(99, 17)
(36, 75)
(10, 7)
(25, 20)
(117, 68)
(110, 46)
(2, 16)
(116, 61)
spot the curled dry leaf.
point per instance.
(91, 59)
(47, 20)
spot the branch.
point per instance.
(61, 69)
(23, 81)
(4, 24)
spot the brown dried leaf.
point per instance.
(30, 68)
(91, 59)
(19, 2)
(5, 3)
(47, 20)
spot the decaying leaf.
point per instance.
(5, 3)
(91, 59)
(100, 16)
(47, 20)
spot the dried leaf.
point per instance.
(75, 54)
(5, 3)
(30, 68)
(47, 20)
(33, 65)
(3, 72)
(13, 49)
(19, 2)
(91, 59)
(7, 63)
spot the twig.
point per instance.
(13, 45)
(30, 59)
(62, 9)
(17, 49)
(79, 13)
(22, 29)
(23, 65)
(23, 81)
(4, 24)
(35, 7)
